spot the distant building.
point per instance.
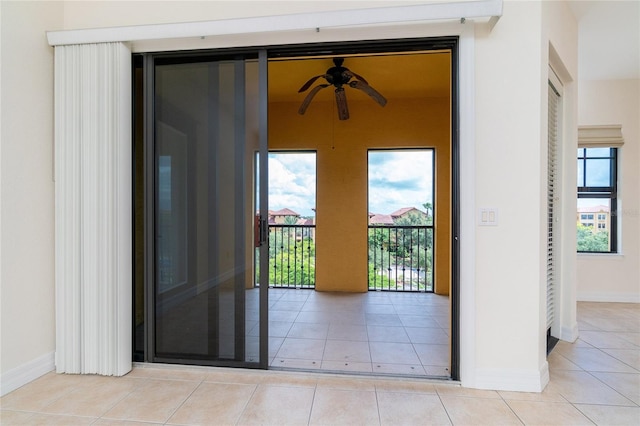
(380, 219)
(278, 217)
(304, 227)
(408, 212)
(392, 219)
(306, 221)
(594, 217)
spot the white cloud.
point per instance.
(292, 182)
(396, 178)
(400, 179)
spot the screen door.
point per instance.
(207, 127)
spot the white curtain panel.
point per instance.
(93, 208)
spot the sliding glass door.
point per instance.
(207, 126)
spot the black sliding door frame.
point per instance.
(262, 54)
(450, 43)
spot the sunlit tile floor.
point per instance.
(374, 332)
(595, 380)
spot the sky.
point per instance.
(396, 179)
(598, 174)
(292, 182)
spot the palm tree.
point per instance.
(428, 207)
(290, 220)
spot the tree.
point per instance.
(592, 241)
(291, 258)
(402, 254)
(429, 209)
(290, 220)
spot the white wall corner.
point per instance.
(518, 380)
(25, 373)
(603, 296)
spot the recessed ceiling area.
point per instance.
(397, 75)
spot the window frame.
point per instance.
(609, 192)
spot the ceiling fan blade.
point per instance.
(341, 101)
(309, 97)
(356, 84)
(359, 77)
(309, 83)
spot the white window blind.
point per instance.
(93, 208)
(554, 100)
(600, 136)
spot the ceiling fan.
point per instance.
(339, 76)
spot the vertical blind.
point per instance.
(552, 198)
(93, 208)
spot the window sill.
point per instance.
(601, 255)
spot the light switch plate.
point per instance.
(488, 216)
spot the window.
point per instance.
(597, 197)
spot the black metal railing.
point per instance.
(292, 256)
(401, 258)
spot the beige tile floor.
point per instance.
(373, 332)
(595, 380)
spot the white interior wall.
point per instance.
(508, 172)
(26, 191)
(96, 14)
(615, 277)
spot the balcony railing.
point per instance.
(401, 258)
(292, 256)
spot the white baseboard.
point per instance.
(21, 375)
(512, 379)
(597, 296)
(569, 334)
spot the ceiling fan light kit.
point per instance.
(339, 77)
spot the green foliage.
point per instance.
(290, 220)
(428, 207)
(393, 249)
(415, 219)
(589, 241)
(285, 271)
(291, 257)
(379, 281)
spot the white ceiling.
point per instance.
(609, 39)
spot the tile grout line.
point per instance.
(246, 404)
(313, 401)
(55, 400)
(443, 405)
(375, 387)
(182, 403)
(609, 386)
(618, 359)
(510, 408)
(122, 399)
(583, 413)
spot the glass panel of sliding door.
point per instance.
(206, 304)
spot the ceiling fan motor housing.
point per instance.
(338, 75)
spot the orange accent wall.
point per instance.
(341, 146)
